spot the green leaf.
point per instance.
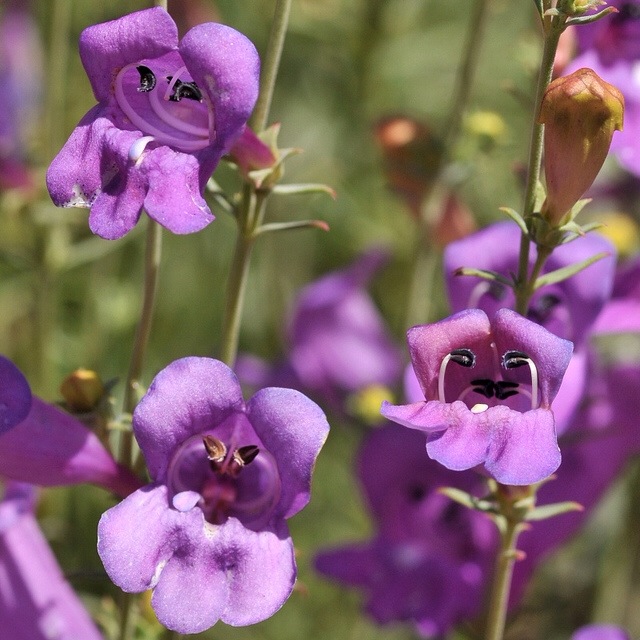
(294, 189)
(485, 274)
(290, 226)
(551, 510)
(517, 218)
(467, 500)
(591, 18)
(566, 272)
(578, 231)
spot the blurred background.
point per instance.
(69, 299)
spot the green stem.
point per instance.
(502, 581)
(271, 64)
(161, 3)
(249, 221)
(553, 29)
(153, 252)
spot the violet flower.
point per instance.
(339, 342)
(430, 558)
(208, 535)
(611, 48)
(488, 388)
(43, 445)
(600, 632)
(36, 602)
(167, 111)
(567, 309)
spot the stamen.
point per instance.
(172, 81)
(143, 125)
(216, 451)
(188, 90)
(137, 148)
(147, 79)
(505, 389)
(485, 386)
(159, 109)
(463, 357)
(515, 359)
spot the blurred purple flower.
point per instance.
(36, 602)
(430, 558)
(338, 342)
(600, 632)
(20, 78)
(567, 309)
(208, 535)
(488, 388)
(48, 447)
(167, 112)
(611, 47)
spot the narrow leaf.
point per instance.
(485, 274)
(290, 226)
(467, 500)
(517, 218)
(551, 510)
(566, 272)
(293, 189)
(591, 18)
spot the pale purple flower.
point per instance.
(568, 308)
(600, 632)
(36, 602)
(209, 534)
(488, 387)
(611, 47)
(429, 560)
(43, 445)
(167, 111)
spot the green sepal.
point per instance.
(469, 501)
(576, 231)
(269, 177)
(310, 187)
(551, 510)
(290, 226)
(517, 218)
(559, 275)
(485, 274)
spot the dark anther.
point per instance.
(216, 449)
(147, 78)
(246, 455)
(464, 357)
(514, 359)
(188, 90)
(484, 387)
(505, 389)
(542, 308)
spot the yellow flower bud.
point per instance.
(580, 113)
(82, 390)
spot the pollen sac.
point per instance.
(216, 449)
(514, 359)
(181, 90)
(147, 79)
(464, 357)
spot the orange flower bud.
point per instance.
(580, 113)
(82, 390)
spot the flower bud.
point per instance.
(82, 390)
(580, 113)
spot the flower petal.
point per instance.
(225, 64)
(50, 448)
(293, 429)
(173, 199)
(188, 397)
(523, 450)
(229, 573)
(107, 47)
(15, 395)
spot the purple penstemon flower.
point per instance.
(208, 535)
(600, 632)
(488, 387)
(167, 111)
(36, 602)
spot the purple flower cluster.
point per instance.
(167, 111)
